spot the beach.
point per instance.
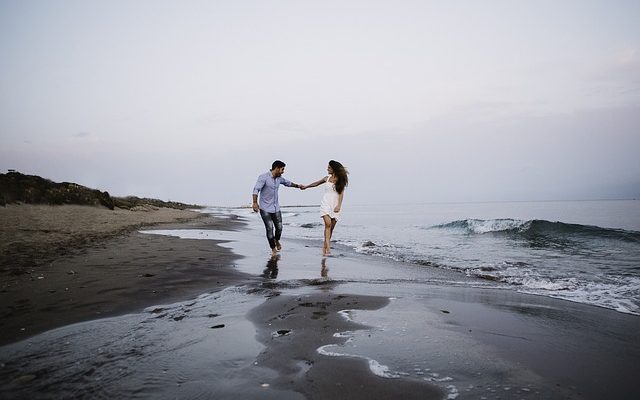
(220, 318)
(65, 264)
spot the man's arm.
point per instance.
(256, 189)
(288, 183)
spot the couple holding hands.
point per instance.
(269, 183)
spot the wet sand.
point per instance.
(293, 328)
(32, 235)
(65, 264)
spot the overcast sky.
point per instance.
(421, 100)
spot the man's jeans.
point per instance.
(271, 221)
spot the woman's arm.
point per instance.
(316, 183)
(339, 206)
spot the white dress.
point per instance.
(329, 200)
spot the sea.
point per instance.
(582, 251)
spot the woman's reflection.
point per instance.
(271, 269)
(324, 270)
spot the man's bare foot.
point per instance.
(278, 245)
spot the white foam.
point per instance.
(543, 283)
(613, 292)
(617, 294)
(436, 378)
(346, 314)
(453, 392)
(375, 367)
(494, 225)
(322, 350)
(381, 370)
(526, 277)
(480, 226)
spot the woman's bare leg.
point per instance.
(326, 248)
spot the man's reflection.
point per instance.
(324, 270)
(271, 269)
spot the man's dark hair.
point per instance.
(277, 164)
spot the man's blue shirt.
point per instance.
(268, 187)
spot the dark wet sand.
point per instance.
(492, 343)
(68, 264)
(294, 327)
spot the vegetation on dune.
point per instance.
(16, 188)
(130, 202)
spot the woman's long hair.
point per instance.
(341, 173)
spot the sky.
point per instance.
(422, 101)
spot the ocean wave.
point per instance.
(615, 292)
(611, 290)
(525, 276)
(537, 227)
(479, 226)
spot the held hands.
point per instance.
(302, 187)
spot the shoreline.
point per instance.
(66, 264)
(32, 235)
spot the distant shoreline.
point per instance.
(249, 206)
(435, 203)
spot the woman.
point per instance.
(331, 202)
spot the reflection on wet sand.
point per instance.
(271, 269)
(324, 270)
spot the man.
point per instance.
(268, 185)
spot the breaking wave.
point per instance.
(537, 227)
